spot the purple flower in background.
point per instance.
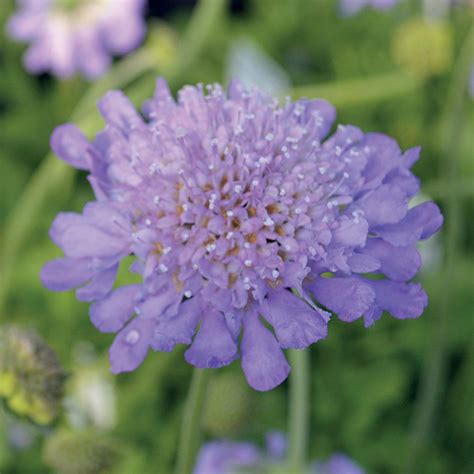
(226, 457)
(351, 7)
(337, 464)
(232, 457)
(69, 36)
(238, 211)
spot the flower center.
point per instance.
(241, 222)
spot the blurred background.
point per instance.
(397, 397)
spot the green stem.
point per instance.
(362, 91)
(123, 73)
(206, 15)
(440, 189)
(434, 375)
(298, 409)
(191, 425)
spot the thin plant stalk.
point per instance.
(191, 425)
(298, 410)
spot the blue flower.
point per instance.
(237, 210)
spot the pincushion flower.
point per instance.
(69, 36)
(233, 457)
(351, 7)
(241, 214)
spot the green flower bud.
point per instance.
(423, 47)
(31, 378)
(228, 404)
(81, 453)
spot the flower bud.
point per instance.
(228, 404)
(31, 378)
(80, 453)
(423, 47)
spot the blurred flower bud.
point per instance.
(31, 378)
(423, 47)
(162, 42)
(228, 404)
(81, 453)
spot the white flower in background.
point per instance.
(91, 398)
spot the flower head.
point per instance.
(237, 209)
(69, 36)
(233, 457)
(351, 7)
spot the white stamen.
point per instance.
(275, 274)
(163, 268)
(188, 294)
(248, 263)
(153, 168)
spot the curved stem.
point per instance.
(433, 377)
(298, 409)
(205, 15)
(191, 425)
(363, 90)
